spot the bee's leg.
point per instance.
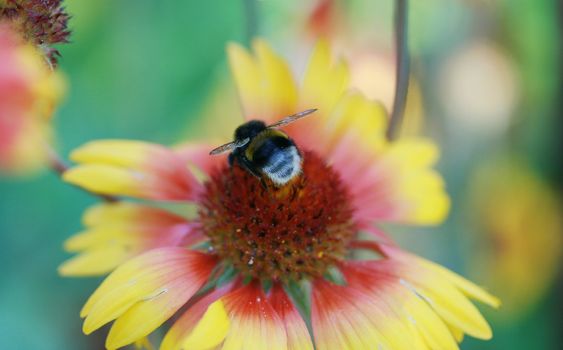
(249, 166)
(231, 159)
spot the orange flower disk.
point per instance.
(287, 233)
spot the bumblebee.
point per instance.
(265, 151)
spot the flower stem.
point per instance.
(402, 68)
(59, 166)
(251, 17)
(56, 163)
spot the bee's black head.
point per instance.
(249, 130)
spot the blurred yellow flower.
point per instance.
(29, 93)
(520, 234)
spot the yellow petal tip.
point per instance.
(211, 329)
(234, 49)
(86, 328)
(63, 270)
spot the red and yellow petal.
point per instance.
(398, 185)
(466, 287)
(445, 291)
(265, 84)
(442, 303)
(298, 337)
(197, 154)
(144, 292)
(253, 324)
(347, 318)
(377, 280)
(118, 231)
(132, 168)
(243, 319)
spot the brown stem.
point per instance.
(56, 163)
(402, 69)
(59, 166)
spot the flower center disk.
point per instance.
(270, 233)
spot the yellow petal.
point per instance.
(107, 235)
(105, 179)
(434, 331)
(265, 85)
(364, 120)
(468, 288)
(144, 343)
(325, 81)
(94, 262)
(414, 152)
(145, 316)
(114, 152)
(247, 78)
(137, 272)
(211, 329)
(450, 304)
(110, 212)
(420, 190)
(277, 80)
(424, 198)
(115, 303)
(456, 333)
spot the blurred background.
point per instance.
(486, 85)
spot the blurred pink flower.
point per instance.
(29, 92)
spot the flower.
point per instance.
(254, 264)
(29, 92)
(517, 221)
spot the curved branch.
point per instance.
(251, 17)
(402, 68)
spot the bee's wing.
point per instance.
(229, 146)
(222, 149)
(292, 118)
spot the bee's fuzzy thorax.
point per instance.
(278, 232)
